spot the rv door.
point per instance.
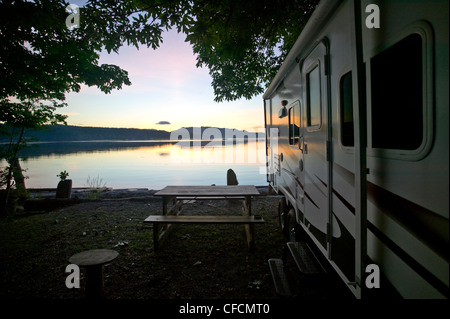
(315, 148)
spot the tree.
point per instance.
(243, 43)
(17, 117)
(42, 58)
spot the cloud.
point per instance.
(70, 113)
(163, 123)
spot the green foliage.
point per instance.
(29, 114)
(243, 43)
(63, 175)
(16, 118)
(43, 59)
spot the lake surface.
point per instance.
(144, 164)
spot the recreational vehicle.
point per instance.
(357, 139)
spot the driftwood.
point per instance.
(231, 178)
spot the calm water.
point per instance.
(147, 164)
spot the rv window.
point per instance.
(397, 98)
(346, 116)
(313, 97)
(294, 124)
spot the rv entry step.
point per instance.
(305, 259)
(279, 277)
(306, 262)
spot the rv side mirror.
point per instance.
(283, 112)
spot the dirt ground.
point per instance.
(196, 262)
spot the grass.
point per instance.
(197, 261)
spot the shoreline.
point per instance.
(105, 191)
(44, 199)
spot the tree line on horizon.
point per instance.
(55, 133)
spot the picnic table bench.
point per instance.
(178, 194)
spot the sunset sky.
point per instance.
(166, 87)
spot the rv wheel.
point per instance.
(282, 213)
(291, 228)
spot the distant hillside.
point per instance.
(61, 133)
(213, 132)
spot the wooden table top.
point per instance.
(204, 219)
(228, 190)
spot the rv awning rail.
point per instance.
(323, 10)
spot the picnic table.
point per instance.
(178, 194)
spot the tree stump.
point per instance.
(93, 260)
(64, 189)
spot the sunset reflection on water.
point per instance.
(145, 164)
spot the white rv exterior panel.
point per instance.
(407, 185)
